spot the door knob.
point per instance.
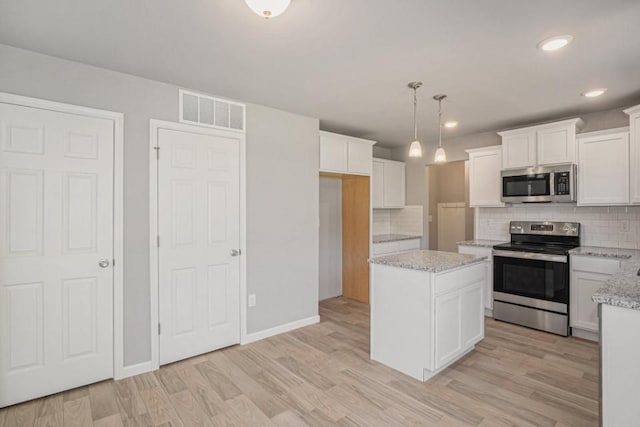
(235, 252)
(103, 263)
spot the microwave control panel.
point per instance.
(563, 185)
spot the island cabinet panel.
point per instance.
(424, 320)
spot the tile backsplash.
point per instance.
(407, 220)
(614, 227)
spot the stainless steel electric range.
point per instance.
(531, 275)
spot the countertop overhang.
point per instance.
(429, 261)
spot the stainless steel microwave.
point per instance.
(542, 184)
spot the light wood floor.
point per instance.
(321, 375)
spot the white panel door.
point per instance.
(451, 225)
(199, 227)
(56, 226)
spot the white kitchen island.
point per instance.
(427, 309)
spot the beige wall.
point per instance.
(447, 183)
(282, 188)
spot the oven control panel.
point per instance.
(545, 228)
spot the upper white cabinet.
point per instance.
(519, 150)
(548, 144)
(345, 154)
(388, 182)
(484, 176)
(603, 168)
(634, 150)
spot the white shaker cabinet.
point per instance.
(377, 184)
(603, 168)
(487, 291)
(588, 274)
(519, 150)
(388, 184)
(345, 154)
(634, 143)
(540, 145)
(485, 188)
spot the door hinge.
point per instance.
(157, 152)
(158, 241)
(159, 329)
(113, 262)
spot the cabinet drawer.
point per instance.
(595, 264)
(409, 245)
(476, 250)
(385, 248)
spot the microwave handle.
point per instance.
(552, 186)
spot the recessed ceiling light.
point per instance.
(594, 92)
(555, 43)
(451, 124)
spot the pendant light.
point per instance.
(415, 149)
(441, 156)
(268, 8)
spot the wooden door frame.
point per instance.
(155, 126)
(119, 369)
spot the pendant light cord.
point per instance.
(415, 108)
(440, 122)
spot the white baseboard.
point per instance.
(585, 335)
(488, 312)
(137, 369)
(257, 336)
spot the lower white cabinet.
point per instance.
(458, 324)
(387, 248)
(588, 274)
(487, 291)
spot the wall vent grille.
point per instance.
(204, 110)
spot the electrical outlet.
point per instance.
(252, 300)
(624, 226)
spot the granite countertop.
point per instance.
(430, 261)
(383, 238)
(481, 243)
(623, 288)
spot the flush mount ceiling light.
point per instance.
(268, 8)
(450, 124)
(415, 149)
(555, 43)
(441, 156)
(594, 92)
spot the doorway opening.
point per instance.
(344, 236)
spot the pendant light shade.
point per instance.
(415, 149)
(268, 8)
(441, 156)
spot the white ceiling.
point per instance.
(347, 62)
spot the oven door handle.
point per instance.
(531, 256)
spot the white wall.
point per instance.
(282, 187)
(330, 276)
(600, 226)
